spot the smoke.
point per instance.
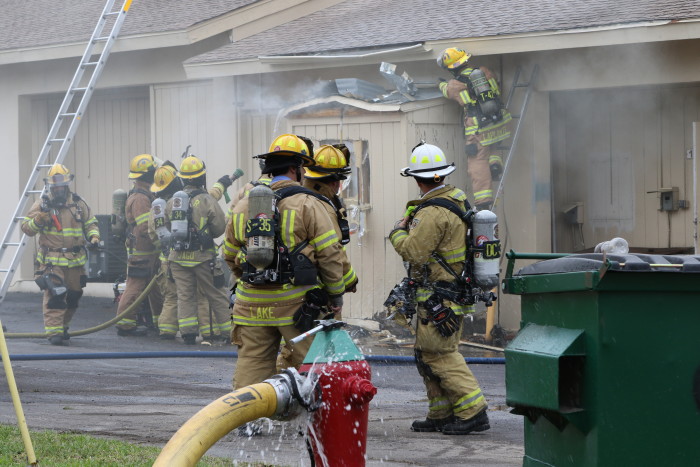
(271, 93)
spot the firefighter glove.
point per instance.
(305, 316)
(94, 242)
(444, 318)
(225, 181)
(43, 218)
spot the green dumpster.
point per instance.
(606, 366)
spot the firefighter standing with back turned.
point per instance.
(196, 219)
(325, 177)
(485, 120)
(288, 259)
(166, 183)
(432, 239)
(64, 222)
(143, 260)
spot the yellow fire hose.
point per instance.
(21, 421)
(99, 327)
(214, 421)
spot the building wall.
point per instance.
(615, 150)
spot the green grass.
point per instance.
(56, 449)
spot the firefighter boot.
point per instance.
(479, 422)
(57, 339)
(431, 424)
(189, 339)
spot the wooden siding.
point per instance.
(181, 118)
(613, 150)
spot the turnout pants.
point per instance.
(167, 321)
(257, 352)
(450, 385)
(479, 170)
(138, 276)
(188, 279)
(59, 309)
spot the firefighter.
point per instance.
(166, 183)
(142, 263)
(196, 219)
(325, 177)
(426, 233)
(282, 299)
(65, 225)
(485, 120)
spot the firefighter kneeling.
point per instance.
(432, 239)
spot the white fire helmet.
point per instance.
(427, 161)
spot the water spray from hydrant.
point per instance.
(334, 383)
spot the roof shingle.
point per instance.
(33, 23)
(357, 24)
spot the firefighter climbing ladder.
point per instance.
(527, 86)
(64, 126)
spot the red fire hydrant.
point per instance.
(339, 430)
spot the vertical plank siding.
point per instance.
(114, 129)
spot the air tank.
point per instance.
(486, 249)
(260, 230)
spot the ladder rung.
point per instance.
(29, 192)
(19, 218)
(74, 90)
(56, 140)
(4, 270)
(73, 114)
(44, 166)
(112, 13)
(11, 244)
(90, 63)
(102, 39)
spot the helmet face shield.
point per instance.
(59, 180)
(59, 194)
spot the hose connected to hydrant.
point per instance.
(335, 386)
(279, 397)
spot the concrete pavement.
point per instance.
(147, 400)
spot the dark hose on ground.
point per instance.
(380, 359)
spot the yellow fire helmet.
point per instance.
(289, 145)
(452, 58)
(329, 162)
(191, 167)
(141, 165)
(163, 177)
(58, 175)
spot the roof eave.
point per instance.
(76, 49)
(656, 31)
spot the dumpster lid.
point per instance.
(627, 262)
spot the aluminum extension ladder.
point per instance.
(527, 86)
(64, 127)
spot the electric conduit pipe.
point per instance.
(105, 325)
(279, 397)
